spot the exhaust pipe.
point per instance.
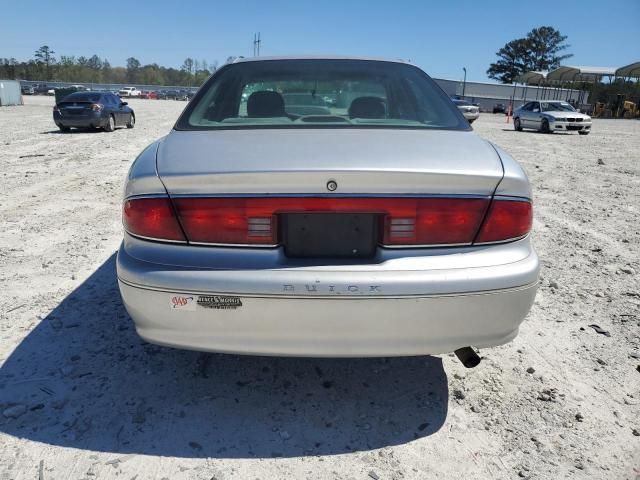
(468, 357)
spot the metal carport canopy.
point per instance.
(531, 78)
(567, 73)
(631, 70)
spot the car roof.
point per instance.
(318, 57)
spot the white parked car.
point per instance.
(551, 116)
(470, 112)
(129, 92)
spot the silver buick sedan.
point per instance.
(326, 207)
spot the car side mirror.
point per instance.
(124, 103)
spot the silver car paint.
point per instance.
(142, 178)
(303, 160)
(403, 302)
(514, 181)
(335, 327)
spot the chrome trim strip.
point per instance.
(433, 245)
(508, 240)
(330, 297)
(329, 195)
(438, 245)
(230, 245)
(511, 197)
(146, 195)
(158, 240)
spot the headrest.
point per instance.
(265, 104)
(368, 107)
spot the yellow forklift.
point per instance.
(630, 109)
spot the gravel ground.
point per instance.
(81, 396)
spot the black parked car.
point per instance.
(93, 110)
(41, 88)
(171, 94)
(499, 108)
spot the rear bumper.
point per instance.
(322, 311)
(94, 120)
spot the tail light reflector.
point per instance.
(151, 218)
(506, 219)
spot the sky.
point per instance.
(440, 37)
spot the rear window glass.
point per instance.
(320, 93)
(83, 97)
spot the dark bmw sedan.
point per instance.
(93, 110)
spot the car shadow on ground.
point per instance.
(83, 379)
(535, 131)
(73, 130)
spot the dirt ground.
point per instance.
(82, 397)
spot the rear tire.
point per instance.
(63, 128)
(544, 126)
(516, 125)
(111, 124)
(132, 121)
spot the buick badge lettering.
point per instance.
(332, 289)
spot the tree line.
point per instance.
(542, 49)
(45, 66)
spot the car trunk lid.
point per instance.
(360, 161)
(75, 108)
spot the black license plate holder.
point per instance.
(310, 235)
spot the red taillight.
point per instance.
(244, 221)
(406, 221)
(506, 219)
(151, 218)
(435, 221)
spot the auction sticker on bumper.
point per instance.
(181, 302)
(219, 301)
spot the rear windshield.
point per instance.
(320, 93)
(83, 97)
